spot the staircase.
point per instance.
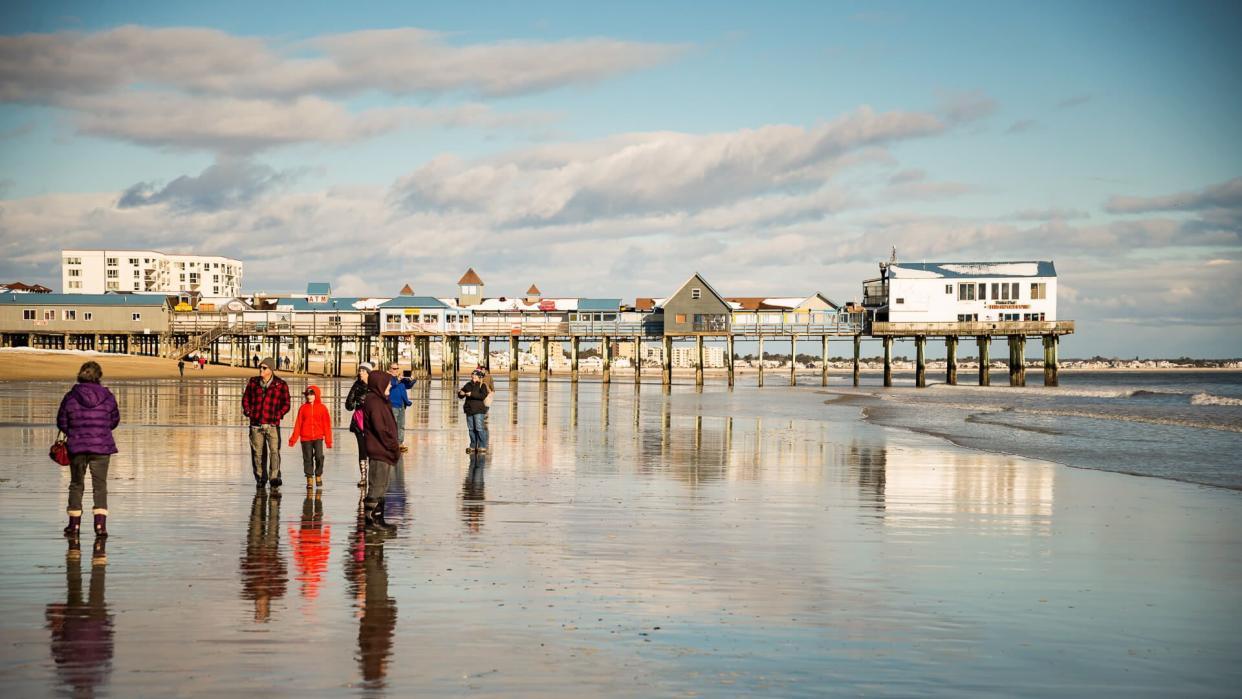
(197, 342)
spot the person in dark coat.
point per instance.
(88, 413)
(383, 449)
(475, 392)
(353, 403)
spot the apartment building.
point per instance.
(148, 271)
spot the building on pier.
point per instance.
(696, 308)
(947, 292)
(115, 322)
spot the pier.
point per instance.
(1015, 333)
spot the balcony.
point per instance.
(988, 329)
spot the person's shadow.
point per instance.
(82, 631)
(367, 573)
(472, 494)
(263, 571)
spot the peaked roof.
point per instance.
(698, 276)
(318, 289)
(966, 270)
(406, 290)
(470, 277)
(533, 290)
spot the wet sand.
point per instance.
(616, 542)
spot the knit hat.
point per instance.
(269, 363)
(365, 366)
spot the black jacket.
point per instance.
(474, 392)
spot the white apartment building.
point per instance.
(148, 271)
(964, 292)
(713, 357)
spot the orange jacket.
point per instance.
(313, 422)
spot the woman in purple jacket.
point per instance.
(88, 414)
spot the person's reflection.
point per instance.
(82, 632)
(367, 574)
(311, 541)
(871, 464)
(263, 571)
(472, 494)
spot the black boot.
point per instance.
(74, 526)
(101, 525)
(375, 519)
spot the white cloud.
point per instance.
(1226, 195)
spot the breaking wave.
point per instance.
(1210, 399)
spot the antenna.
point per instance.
(892, 258)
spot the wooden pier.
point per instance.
(1016, 333)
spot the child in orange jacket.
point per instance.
(314, 428)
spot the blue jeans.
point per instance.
(478, 430)
(398, 414)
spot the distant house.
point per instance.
(411, 315)
(696, 308)
(944, 292)
(84, 313)
(20, 288)
(595, 316)
(782, 311)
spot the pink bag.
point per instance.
(358, 421)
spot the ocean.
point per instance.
(1178, 425)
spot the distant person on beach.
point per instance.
(475, 392)
(181, 367)
(399, 397)
(255, 361)
(265, 401)
(383, 449)
(202, 363)
(88, 413)
(314, 428)
(353, 403)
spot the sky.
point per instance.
(778, 149)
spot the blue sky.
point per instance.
(614, 150)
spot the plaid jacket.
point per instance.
(265, 407)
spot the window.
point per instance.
(696, 294)
(948, 289)
(75, 272)
(113, 286)
(1039, 290)
(983, 292)
(136, 316)
(112, 261)
(133, 260)
(1009, 317)
(1014, 291)
(681, 318)
(88, 316)
(49, 314)
(69, 314)
(967, 317)
(469, 289)
(392, 318)
(75, 285)
(1004, 289)
(137, 274)
(966, 292)
(113, 274)
(901, 300)
(28, 314)
(995, 291)
(73, 260)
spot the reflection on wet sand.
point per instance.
(472, 495)
(264, 575)
(311, 542)
(366, 573)
(82, 630)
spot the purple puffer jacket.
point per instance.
(88, 414)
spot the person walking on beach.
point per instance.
(202, 363)
(255, 360)
(181, 367)
(475, 392)
(87, 415)
(353, 403)
(383, 449)
(314, 427)
(399, 397)
(265, 401)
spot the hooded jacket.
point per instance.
(88, 413)
(313, 421)
(380, 425)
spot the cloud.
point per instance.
(1050, 214)
(1226, 195)
(226, 184)
(42, 68)
(633, 174)
(907, 176)
(1022, 125)
(1073, 101)
(966, 107)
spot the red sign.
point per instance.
(547, 305)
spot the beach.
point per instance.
(617, 540)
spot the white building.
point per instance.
(713, 357)
(148, 271)
(946, 292)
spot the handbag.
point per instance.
(60, 449)
(356, 425)
(487, 400)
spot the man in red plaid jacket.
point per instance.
(265, 401)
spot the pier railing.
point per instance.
(998, 328)
(276, 323)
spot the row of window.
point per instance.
(65, 314)
(1001, 291)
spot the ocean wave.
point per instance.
(1205, 398)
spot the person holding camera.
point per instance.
(475, 391)
(399, 397)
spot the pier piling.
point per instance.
(985, 361)
(793, 360)
(823, 370)
(888, 362)
(1050, 360)
(857, 353)
(698, 360)
(920, 362)
(950, 360)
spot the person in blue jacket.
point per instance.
(399, 397)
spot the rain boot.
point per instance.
(377, 516)
(74, 526)
(101, 525)
(310, 482)
(319, 481)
